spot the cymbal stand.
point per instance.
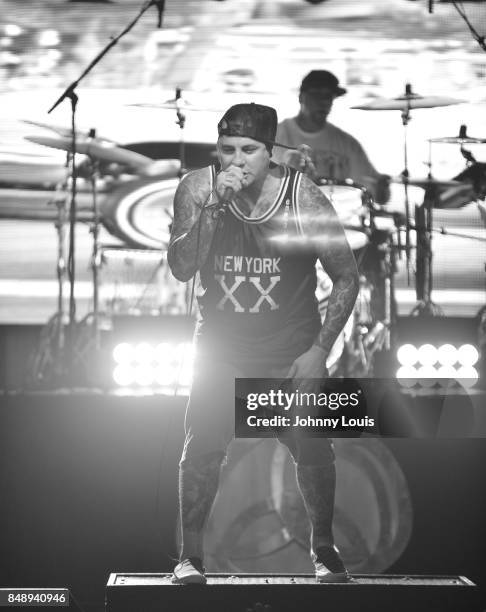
(389, 290)
(47, 364)
(60, 201)
(405, 114)
(96, 250)
(387, 269)
(181, 122)
(424, 230)
(60, 223)
(70, 92)
(374, 312)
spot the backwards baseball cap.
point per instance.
(322, 78)
(250, 120)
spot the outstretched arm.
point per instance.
(326, 235)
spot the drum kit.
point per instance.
(374, 233)
(369, 226)
(104, 158)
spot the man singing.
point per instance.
(253, 230)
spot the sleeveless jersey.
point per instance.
(257, 287)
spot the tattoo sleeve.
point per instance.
(328, 239)
(193, 226)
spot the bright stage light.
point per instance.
(123, 353)
(427, 354)
(427, 375)
(124, 375)
(467, 376)
(165, 376)
(158, 350)
(165, 365)
(407, 355)
(163, 352)
(468, 355)
(446, 371)
(407, 376)
(447, 355)
(144, 375)
(144, 353)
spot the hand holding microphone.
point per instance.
(228, 182)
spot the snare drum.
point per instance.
(352, 203)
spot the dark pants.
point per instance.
(210, 419)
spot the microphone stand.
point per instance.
(70, 92)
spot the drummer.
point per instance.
(329, 152)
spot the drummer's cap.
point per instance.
(322, 79)
(254, 121)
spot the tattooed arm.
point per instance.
(336, 258)
(327, 238)
(193, 226)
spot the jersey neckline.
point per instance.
(268, 214)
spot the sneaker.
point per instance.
(329, 566)
(189, 571)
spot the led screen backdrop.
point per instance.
(220, 53)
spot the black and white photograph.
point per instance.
(243, 305)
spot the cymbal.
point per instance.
(458, 140)
(427, 182)
(95, 147)
(177, 104)
(461, 138)
(62, 131)
(408, 101)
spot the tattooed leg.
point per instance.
(198, 485)
(317, 483)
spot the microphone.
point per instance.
(223, 203)
(229, 194)
(160, 4)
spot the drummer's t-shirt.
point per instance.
(336, 154)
